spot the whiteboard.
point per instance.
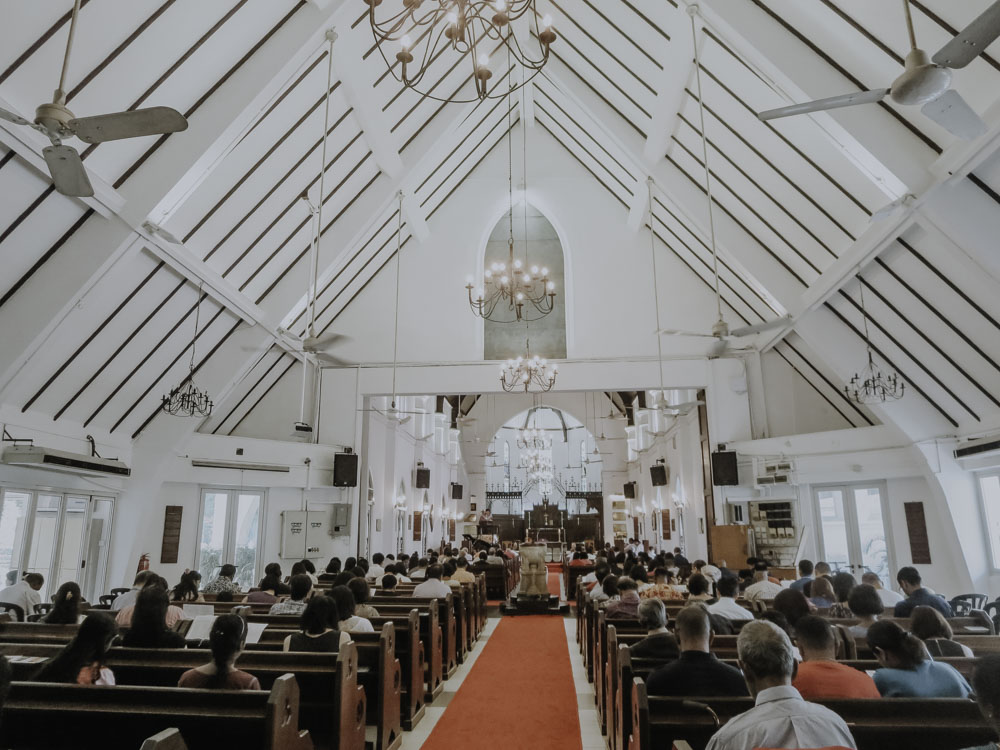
(303, 533)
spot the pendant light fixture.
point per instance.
(871, 385)
(187, 399)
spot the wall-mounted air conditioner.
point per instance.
(983, 453)
(37, 457)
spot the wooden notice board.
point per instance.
(665, 523)
(171, 533)
(417, 525)
(916, 529)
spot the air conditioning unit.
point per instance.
(771, 473)
(983, 453)
(72, 463)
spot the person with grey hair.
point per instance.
(697, 672)
(780, 717)
(659, 642)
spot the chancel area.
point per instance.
(565, 374)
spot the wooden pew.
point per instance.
(168, 739)
(445, 609)
(50, 716)
(332, 707)
(884, 724)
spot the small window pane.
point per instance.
(213, 534)
(13, 514)
(247, 521)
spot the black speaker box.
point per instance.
(724, 469)
(630, 490)
(658, 475)
(423, 479)
(345, 470)
(456, 491)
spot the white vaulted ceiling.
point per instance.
(97, 320)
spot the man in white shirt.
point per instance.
(780, 717)
(889, 598)
(727, 606)
(128, 598)
(375, 570)
(24, 593)
(761, 588)
(433, 586)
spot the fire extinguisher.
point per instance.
(143, 562)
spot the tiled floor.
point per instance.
(590, 730)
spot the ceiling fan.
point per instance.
(56, 122)
(724, 337)
(925, 80)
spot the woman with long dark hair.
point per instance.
(149, 622)
(226, 639)
(907, 670)
(187, 590)
(333, 567)
(65, 606)
(82, 661)
(318, 628)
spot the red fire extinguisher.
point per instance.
(143, 562)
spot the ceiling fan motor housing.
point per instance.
(921, 82)
(54, 118)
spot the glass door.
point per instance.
(851, 521)
(230, 533)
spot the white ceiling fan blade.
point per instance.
(138, 122)
(11, 117)
(674, 332)
(821, 105)
(718, 348)
(952, 113)
(318, 343)
(767, 325)
(68, 173)
(329, 359)
(972, 40)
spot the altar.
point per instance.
(546, 524)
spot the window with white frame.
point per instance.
(230, 532)
(989, 492)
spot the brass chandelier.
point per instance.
(425, 29)
(871, 385)
(526, 372)
(187, 399)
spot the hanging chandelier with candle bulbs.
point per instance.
(425, 30)
(871, 385)
(527, 373)
(187, 399)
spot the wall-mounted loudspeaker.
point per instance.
(345, 470)
(422, 479)
(630, 490)
(658, 475)
(724, 469)
(456, 491)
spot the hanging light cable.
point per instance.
(187, 400)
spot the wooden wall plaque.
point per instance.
(417, 525)
(916, 529)
(451, 528)
(171, 533)
(665, 523)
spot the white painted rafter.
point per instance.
(678, 66)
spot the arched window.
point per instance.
(542, 249)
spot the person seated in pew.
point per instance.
(805, 575)
(401, 575)
(343, 578)
(823, 570)
(186, 589)
(638, 574)
(301, 587)
(780, 717)
(433, 586)
(697, 672)
(149, 622)
(24, 593)
(726, 606)
(866, 605)
(362, 595)
(419, 571)
(361, 570)
(916, 595)
(173, 614)
(333, 567)
(450, 568)
(761, 588)
(662, 587)
(82, 660)
(930, 626)
(588, 581)
(310, 570)
(820, 675)
(843, 585)
(223, 582)
(793, 605)
(659, 642)
(128, 598)
(349, 621)
(606, 592)
(906, 670)
(65, 606)
(627, 606)
(318, 629)
(462, 573)
(821, 593)
(226, 639)
(389, 582)
(375, 570)
(986, 683)
(889, 598)
(699, 589)
(495, 557)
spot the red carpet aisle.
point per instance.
(519, 694)
(555, 571)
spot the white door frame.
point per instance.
(851, 523)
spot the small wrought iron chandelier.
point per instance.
(526, 372)
(187, 400)
(871, 385)
(507, 287)
(471, 28)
